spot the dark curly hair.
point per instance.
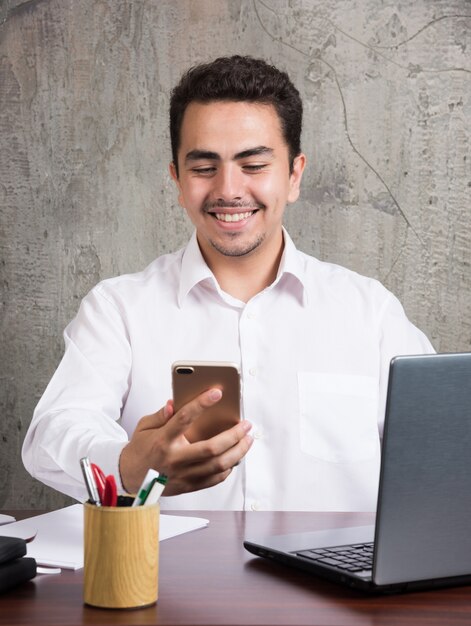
(239, 78)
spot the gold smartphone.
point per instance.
(191, 378)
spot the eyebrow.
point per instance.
(197, 155)
(254, 152)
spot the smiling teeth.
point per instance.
(234, 217)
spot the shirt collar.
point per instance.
(292, 269)
(194, 270)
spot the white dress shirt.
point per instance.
(313, 349)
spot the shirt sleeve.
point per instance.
(397, 336)
(79, 411)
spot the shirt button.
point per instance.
(251, 315)
(253, 371)
(255, 506)
(258, 434)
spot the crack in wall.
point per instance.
(375, 50)
(345, 120)
(421, 30)
(384, 278)
(365, 160)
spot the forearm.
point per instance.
(56, 442)
(78, 412)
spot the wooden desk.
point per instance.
(206, 577)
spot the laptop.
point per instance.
(422, 535)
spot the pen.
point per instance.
(151, 476)
(90, 481)
(154, 493)
(106, 486)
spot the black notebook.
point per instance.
(15, 568)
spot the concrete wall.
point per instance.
(84, 187)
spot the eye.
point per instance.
(203, 171)
(254, 167)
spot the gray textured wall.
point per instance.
(85, 192)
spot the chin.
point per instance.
(237, 249)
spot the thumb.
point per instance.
(187, 414)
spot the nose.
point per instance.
(229, 183)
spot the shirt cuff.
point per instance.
(106, 455)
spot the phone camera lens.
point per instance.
(185, 370)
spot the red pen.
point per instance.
(106, 486)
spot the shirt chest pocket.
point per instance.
(338, 416)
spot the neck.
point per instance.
(244, 276)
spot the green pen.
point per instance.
(154, 493)
(142, 495)
(151, 477)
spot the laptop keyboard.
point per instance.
(354, 558)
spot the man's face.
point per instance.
(234, 179)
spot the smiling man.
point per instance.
(313, 340)
(235, 177)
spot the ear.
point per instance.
(173, 173)
(296, 175)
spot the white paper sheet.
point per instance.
(59, 535)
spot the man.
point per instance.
(313, 340)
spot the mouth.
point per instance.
(233, 217)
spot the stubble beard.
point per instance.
(237, 250)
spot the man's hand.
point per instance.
(159, 443)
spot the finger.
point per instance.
(217, 454)
(233, 456)
(219, 444)
(158, 419)
(211, 471)
(190, 411)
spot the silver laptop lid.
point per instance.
(423, 524)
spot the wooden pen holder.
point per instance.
(121, 559)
